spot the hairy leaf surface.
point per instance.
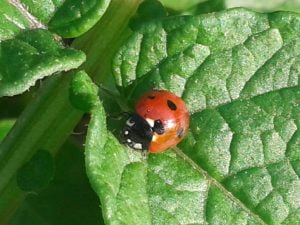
(238, 72)
(266, 6)
(69, 18)
(30, 56)
(12, 21)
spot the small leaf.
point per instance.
(73, 18)
(37, 173)
(83, 92)
(68, 194)
(207, 7)
(148, 10)
(35, 54)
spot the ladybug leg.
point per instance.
(118, 115)
(144, 154)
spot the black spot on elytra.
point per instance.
(171, 105)
(158, 127)
(151, 97)
(180, 132)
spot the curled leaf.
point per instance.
(83, 92)
(30, 56)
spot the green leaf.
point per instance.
(207, 7)
(68, 194)
(37, 172)
(266, 5)
(148, 10)
(12, 21)
(165, 189)
(83, 92)
(43, 10)
(252, 147)
(180, 5)
(35, 55)
(73, 18)
(238, 72)
(212, 59)
(69, 18)
(49, 119)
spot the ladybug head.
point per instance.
(137, 132)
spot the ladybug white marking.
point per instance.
(128, 140)
(154, 138)
(129, 123)
(150, 122)
(137, 146)
(126, 132)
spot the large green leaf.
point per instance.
(252, 148)
(30, 56)
(83, 92)
(238, 72)
(167, 188)
(163, 190)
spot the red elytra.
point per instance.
(171, 111)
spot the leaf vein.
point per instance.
(230, 195)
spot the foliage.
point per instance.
(237, 70)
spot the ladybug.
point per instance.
(160, 122)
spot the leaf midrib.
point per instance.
(212, 180)
(34, 22)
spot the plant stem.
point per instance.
(49, 118)
(11, 198)
(45, 124)
(101, 42)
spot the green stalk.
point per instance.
(49, 119)
(11, 197)
(101, 42)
